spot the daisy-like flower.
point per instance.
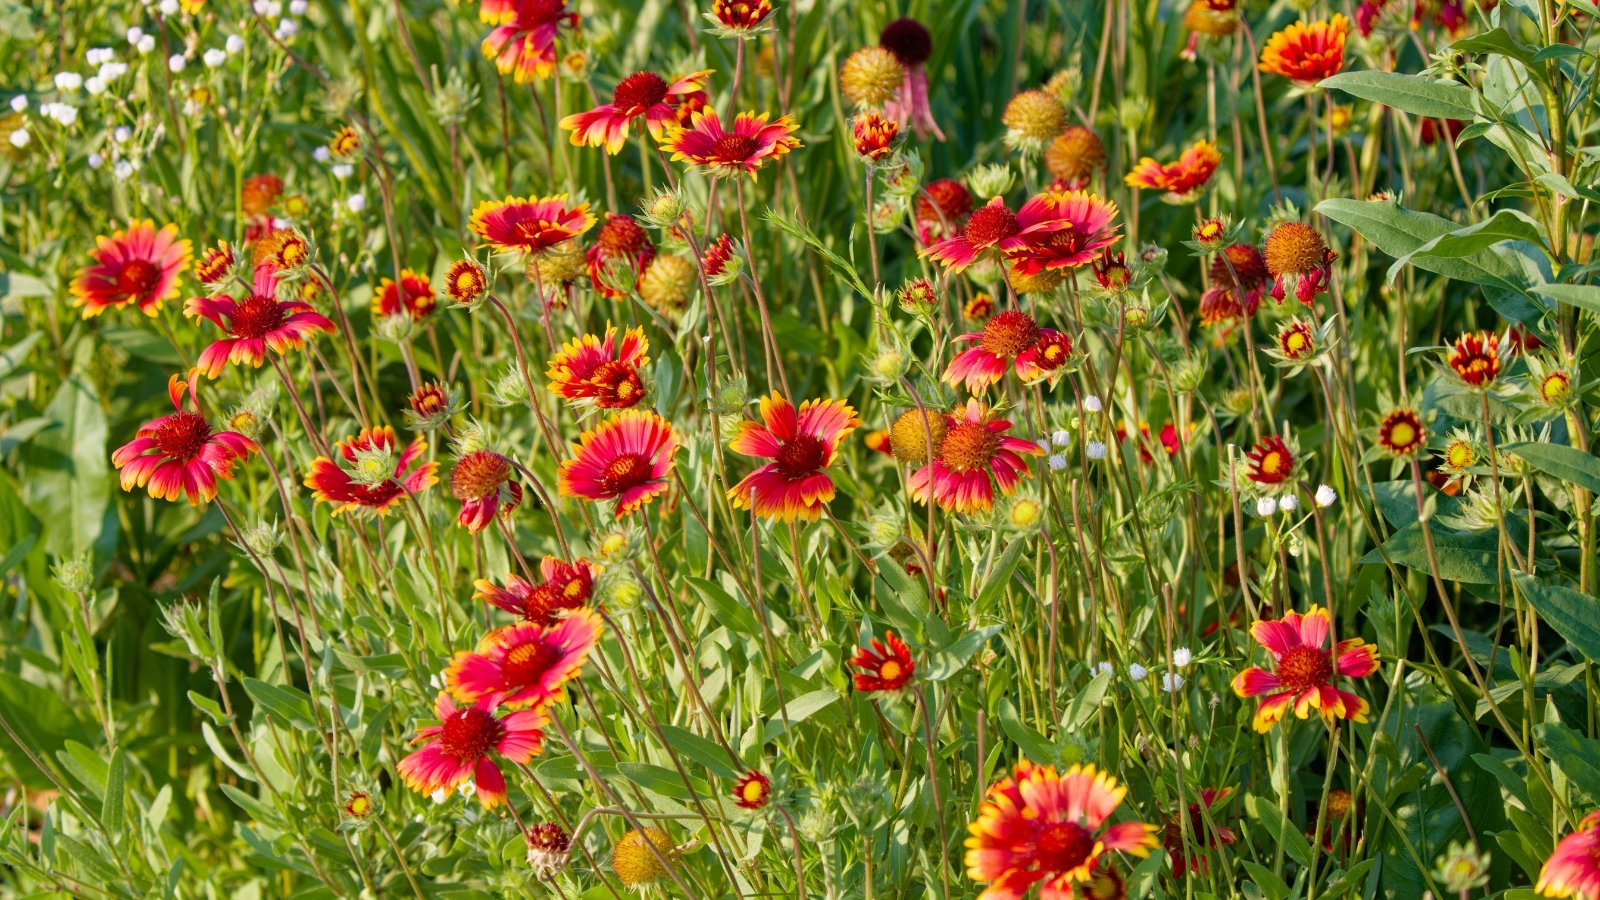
(601, 371)
(1213, 18)
(911, 44)
(463, 745)
(740, 17)
(801, 444)
(524, 41)
(375, 485)
(1090, 228)
(995, 230)
(975, 456)
(137, 265)
(524, 666)
(884, 666)
(529, 225)
(485, 483)
(465, 282)
(1181, 180)
(1304, 670)
(1271, 462)
(1199, 835)
(752, 790)
(1111, 271)
(564, 587)
(1307, 53)
(1573, 869)
(873, 136)
(622, 251)
(345, 144)
(744, 148)
(213, 265)
(643, 95)
(1296, 340)
(1040, 825)
(260, 192)
(979, 308)
(1010, 339)
(413, 296)
(1401, 433)
(1299, 260)
(1239, 279)
(941, 208)
(179, 454)
(255, 324)
(626, 459)
(1475, 359)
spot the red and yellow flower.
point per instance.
(1299, 260)
(1307, 53)
(1573, 869)
(802, 445)
(522, 666)
(179, 454)
(528, 224)
(463, 745)
(1271, 461)
(1401, 433)
(1182, 179)
(255, 324)
(524, 39)
(413, 295)
(601, 371)
(1304, 670)
(752, 790)
(1475, 359)
(975, 456)
(994, 230)
(749, 145)
(333, 483)
(621, 253)
(643, 95)
(1239, 279)
(213, 265)
(1040, 825)
(1010, 339)
(485, 483)
(941, 208)
(873, 136)
(465, 282)
(1090, 228)
(137, 265)
(563, 587)
(626, 459)
(884, 666)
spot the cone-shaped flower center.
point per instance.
(1064, 846)
(801, 457)
(968, 446)
(991, 225)
(138, 277)
(638, 92)
(624, 472)
(1295, 247)
(479, 474)
(526, 663)
(914, 432)
(1010, 333)
(469, 734)
(256, 317)
(754, 791)
(1304, 668)
(621, 234)
(734, 147)
(182, 436)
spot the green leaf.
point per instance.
(1035, 747)
(289, 706)
(1282, 830)
(1496, 40)
(1583, 296)
(1415, 94)
(42, 720)
(798, 710)
(996, 584)
(952, 659)
(725, 609)
(210, 707)
(1571, 613)
(69, 471)
(1561, 461)
(1504, 225)
(1575, 754)
(1090, 699)
(655, 778)
(111, 810)
(1469, 558)
(258, 810)
(701, 750)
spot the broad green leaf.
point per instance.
(68, 483)
(701, 750)
(953, 659)
(725, 609)
(42, 720)
(998, 579)
(1415, 94)
(1496, 40)
(1504, 225)
(1280, 828)
(1583, 296)
(112, 809)
(655, 778)
(210, 707)
(1091, 698)
(289, 706)
(1467, 558)
(798, 710)
(1561, 461)
(1574, 615)
(1035, 747)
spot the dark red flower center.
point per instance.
(525, 664)
(1009, 333)
(801, 457)
(908, 40)
(619, 385)
(638, 92)
(429, 399)
(1304, 668)
(469, 734)
(629, 470)
(535, 12)
(537, 234)
(991, 225)
(138, 277)
(256, 316)
(968, 446)
(182, 436)
(734, 148)
(1064, 846)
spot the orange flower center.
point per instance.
(991, 225)
(478, 475)
(734, 148)
(969, 446)
(1064, 846)
(1296, 342)
(1295, 247)
(526, 663)
(256, 317)
(1010, 333)
(801, 457)
(889, 670)
(1304, 668)
(638, 92)
(469, 734)
(621, 234)
(182, 436)
(138, 277)
(754, 791)
(629, 470)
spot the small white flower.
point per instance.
(123, 170)
(97, 55)
(20, 138)
(439, 795)
(135, 34)
(176, 62)
(1266, 506)
(169, 7)
(1057, 462)
(1171, 681)
(1137, 672)
(1092, 403)
(280, 223)
(1044, 444)
(96, 160)
(287, 28)
(356, 202)
(68, 81)
(146, 44)
(122, 134)
(1061, 438)
(214, 57)
(65, 114)
(297, 7)
(1106, 668)
(261, 7)
(1096, 450)
(467, 788)
(1181, 657)
(111, 71)
(19, 103)
(274, 9)
(1326, 496)
(1288, 503)
(321, 154)
(95, 86)
(343, 170)
(234, 43)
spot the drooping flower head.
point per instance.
(626, 459)
(622, 251)
(255, 324)
(911, 44)
(1299, 260)
(746, 147)
(1239, 279)
(548, 847)
(1074, 156)
(138, 265)
(1271, 461)
(1090, 227)
(1307, 53)
(974, 458)
(801, 446)
(372, 476)
(524, 39)
(564, 587)
(1475, 359)
(529, 225)
(485, 483)
(1573, 869)
(179, 454)
(884, 666)
(1304, 670)
(413, 296)
(1181, 180)
(941, 209)
(643, 95)
(602, 371)
(463, 746)
(1043, 826)
(1401, 433)
(752, 790)
(523, 666)
(1200, 835)
(1010, 339)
